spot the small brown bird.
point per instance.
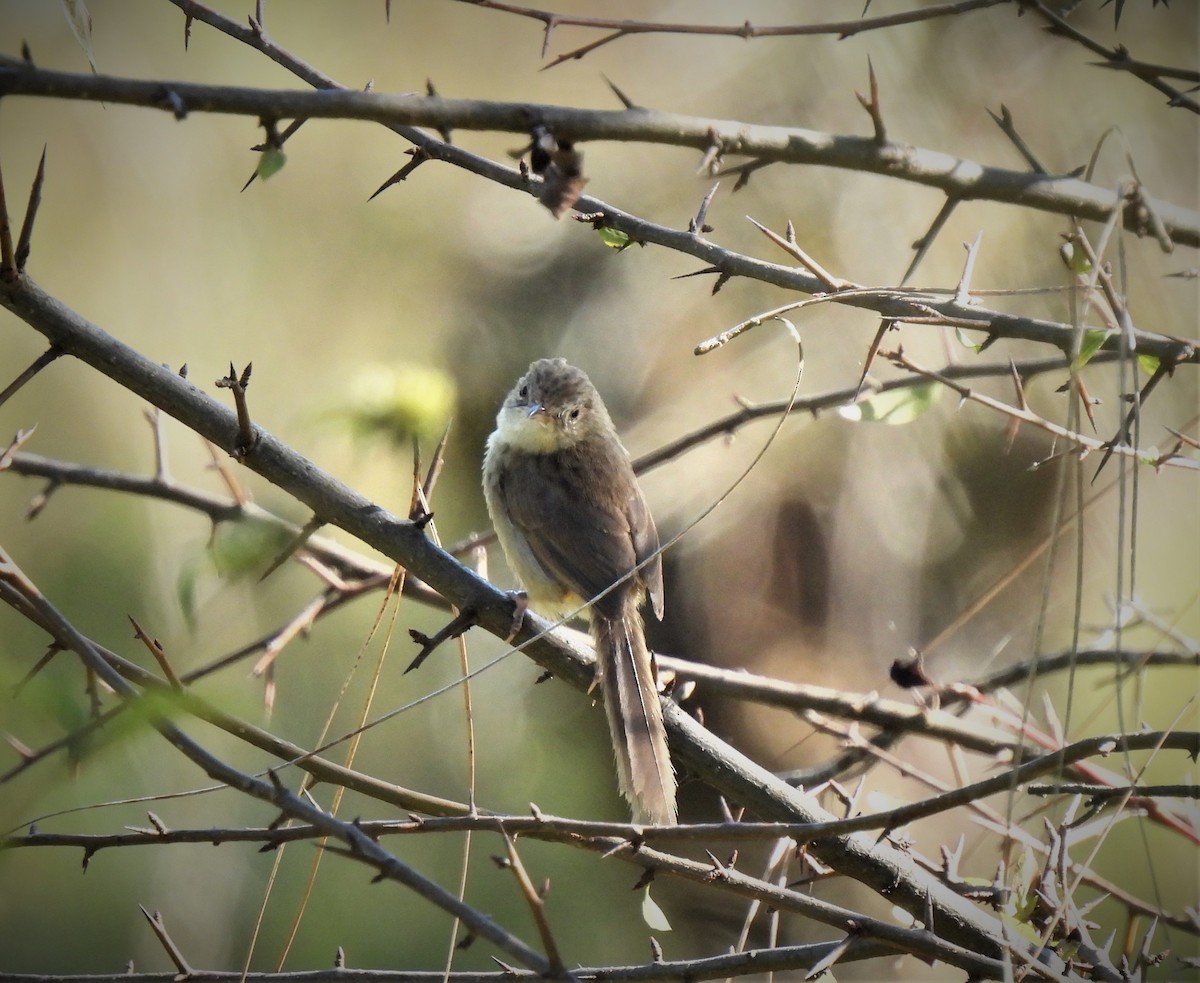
(571, 518)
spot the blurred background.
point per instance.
(849, 544)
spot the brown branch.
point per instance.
(954, 176)
(749, 962)
(728, 425)
(746, 31)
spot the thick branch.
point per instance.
(958, 178)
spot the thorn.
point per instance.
(8, 264)
(156, 650)
(418, 154)
(457, 626)
(710, 163)
(297, 543)
(789, 245)
(884, 327)
(872, 106)
(443, 131)
(1008, 128)
(436, 465)
(36, 366)
(625, 100)
(962, 295)
(923, 244)
(697, 225)
(1017, 385)
(35, 199)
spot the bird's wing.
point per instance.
(581, 536)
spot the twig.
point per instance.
(156, 650)
(789, 245)
(158, 926)
(36, 366)
(1085, 443)
(698, 225)
(462, 622)
(246, 438)
(745, 31)
(1113, 792)
(1008, 127)
(537, 905)
(1144, 68)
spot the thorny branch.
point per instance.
(361, 847)
(740, 778)
(1116, 58)
(958, 178)
(975, 951)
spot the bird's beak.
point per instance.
(537, 409)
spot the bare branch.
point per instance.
(956, 177)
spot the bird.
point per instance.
(572, 522)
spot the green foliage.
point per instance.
(399, 403)
(614, 238)
(239, 550)
(1091, 343)
(896, 406)
(967, 341)
(271, 162)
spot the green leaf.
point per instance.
(1076, 260)
(966, 340)
(1149, 363)
(614, 238)
(896, 406)
(399, 402)
(1092, 340)
(653, 915)
(186, 586)
(246, 548)
(270, 162)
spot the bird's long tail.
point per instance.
(635, 718)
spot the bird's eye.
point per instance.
(523, 392)
(573, 415)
